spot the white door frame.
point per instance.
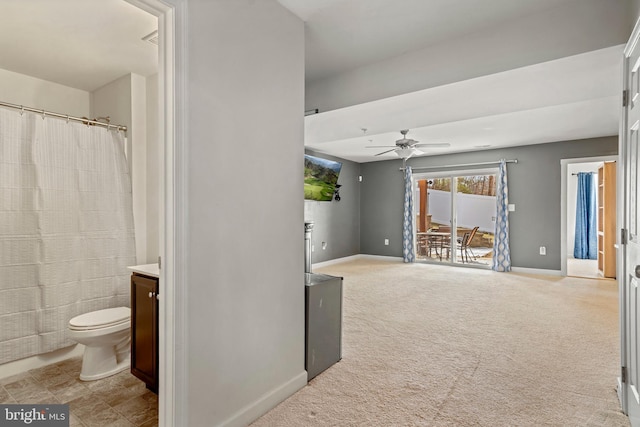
(172, 390)
(622, 199)
(564, 163)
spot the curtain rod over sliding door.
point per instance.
(64, 116)
(462, 165)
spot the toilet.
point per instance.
(106, 335)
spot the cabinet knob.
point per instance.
(150, 294)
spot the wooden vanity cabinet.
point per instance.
(144, 329)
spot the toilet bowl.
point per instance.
(106, 335)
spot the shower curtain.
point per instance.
(66, 228)
(586, 239)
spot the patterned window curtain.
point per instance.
(408, 253)
(586, 243)
(501, 253)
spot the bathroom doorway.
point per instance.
(163, 205)
(581, 265)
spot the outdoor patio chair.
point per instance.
(464, 244)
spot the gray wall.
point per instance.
(244, 249)
(337, 223)
(534, 187)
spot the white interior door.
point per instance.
(630, 252)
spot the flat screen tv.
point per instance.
(320, 178)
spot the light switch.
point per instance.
(512, 207)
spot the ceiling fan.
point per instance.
(407, 147)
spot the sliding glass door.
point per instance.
(455, 217)
(434, 224)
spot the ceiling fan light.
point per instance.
(405, 153)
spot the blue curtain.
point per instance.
(408, 254)
(501, 252)
(586, 239)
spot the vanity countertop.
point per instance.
(152, 270)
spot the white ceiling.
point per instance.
(567, 99)
(346, 34)
(571, 98)
(88, 43)
(83, 44)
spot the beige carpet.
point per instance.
(431, 345)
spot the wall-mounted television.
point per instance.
(320, 178)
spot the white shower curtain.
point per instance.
(66, 228)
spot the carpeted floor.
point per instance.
(431, 345)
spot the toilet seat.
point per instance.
(100, 319)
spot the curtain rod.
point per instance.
(461, 165)
(64, 116)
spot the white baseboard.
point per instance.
(355, 257)
(23, 365)
(382, 257)
(267, 402)
(334, 261)
(536, 271)
(399, 259)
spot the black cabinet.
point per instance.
(323, 322)
(144, 329)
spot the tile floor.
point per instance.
(120, 400)
(583, 268)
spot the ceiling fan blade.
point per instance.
(380, 146)
(385, 152)
(435, 144)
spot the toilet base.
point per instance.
(101, 362)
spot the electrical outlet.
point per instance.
(386, 242)
(543, 250)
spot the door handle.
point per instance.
(637, 271)
(150, 294)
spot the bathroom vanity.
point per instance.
(144, 323)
